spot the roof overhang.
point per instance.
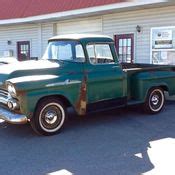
(99, 10)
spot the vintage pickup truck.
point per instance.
(83, 72)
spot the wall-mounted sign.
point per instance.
(163, 45)
(163, 39)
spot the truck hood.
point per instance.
(27, 68)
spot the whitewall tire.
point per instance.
(49, 118)
(155, 101)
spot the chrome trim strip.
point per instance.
(3, 92)
(66, 82)
(4, 96)
(3, 100)
(11, 117)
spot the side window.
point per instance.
(100, 54)
(80, 57)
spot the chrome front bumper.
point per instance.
(11, 117)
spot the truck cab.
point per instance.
(94, 62)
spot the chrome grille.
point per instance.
(4, 96)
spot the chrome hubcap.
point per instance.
(155, 99)
(51, 117)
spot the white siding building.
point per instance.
(144, 31)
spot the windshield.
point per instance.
(65, 51)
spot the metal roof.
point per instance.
(12, 9)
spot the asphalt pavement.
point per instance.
(119, 142)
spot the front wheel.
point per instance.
(49, 117)
(155, 101)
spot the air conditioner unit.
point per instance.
(8, 53)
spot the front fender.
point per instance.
(28, 100)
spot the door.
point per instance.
(125, 47)
(105, 78)
(87, 25)
(23, 49)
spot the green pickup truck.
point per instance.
(83, 72)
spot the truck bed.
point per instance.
(132, 70)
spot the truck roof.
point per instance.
(82, 37)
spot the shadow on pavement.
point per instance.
(102, 143)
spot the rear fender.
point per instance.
(142, 95)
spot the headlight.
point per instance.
(11, 90)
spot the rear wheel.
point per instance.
(49, 117)
(155, 101)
